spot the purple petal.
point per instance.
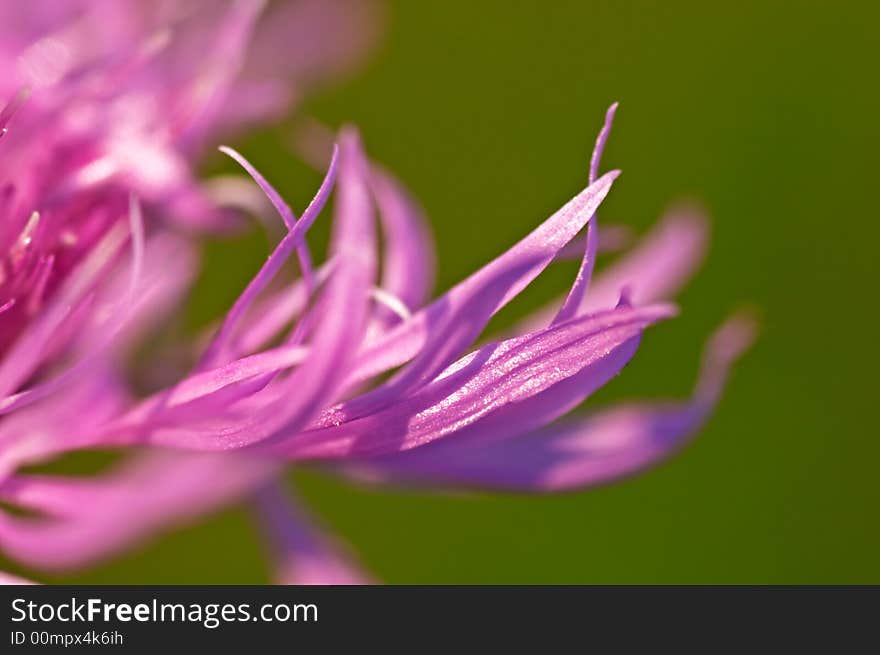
(408, 258)
(283, 209)
(271, 315)
(27, 353)
(309, 41)
(442, 330)
(408, 264)
(203, 99)
(662, 262)
(499, 390)
(575, 297)
(303, 554)
(169, 267)
(107, 330)
(580, 453)
(209, 392)
(612, 238)
(294, 239)
(86, 519)
(62, 420)
(338, 331)
(11, 107)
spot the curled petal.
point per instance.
(578, 290)
(344, 316)
(294, 239)
(280, 206)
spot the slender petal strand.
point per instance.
(271, 315)
(345, 300)
(280, 206)
(293, 240)
(576, 294)
(408, 258)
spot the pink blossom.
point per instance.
(350, 366)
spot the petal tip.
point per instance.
(736, 335)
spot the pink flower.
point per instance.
(452, 414)
(103, 107)
(108, 104)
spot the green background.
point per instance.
(764, 111)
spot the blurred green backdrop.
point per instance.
(767, 113)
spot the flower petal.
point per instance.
(283, 209)
(612, 238)
(597, 449)
(310, 41)
(216, 350)
(26, 354)
(500, 390)
(408, 263)
(86, 519)
(107, 330)
(575, 296)
(270, 315)
(662, 262)
(445, 328)
(408, 257)
(61, 421)
(304, 555)
(659, 265)
(338, 330)
(202, 101)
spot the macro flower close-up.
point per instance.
(453, 344)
